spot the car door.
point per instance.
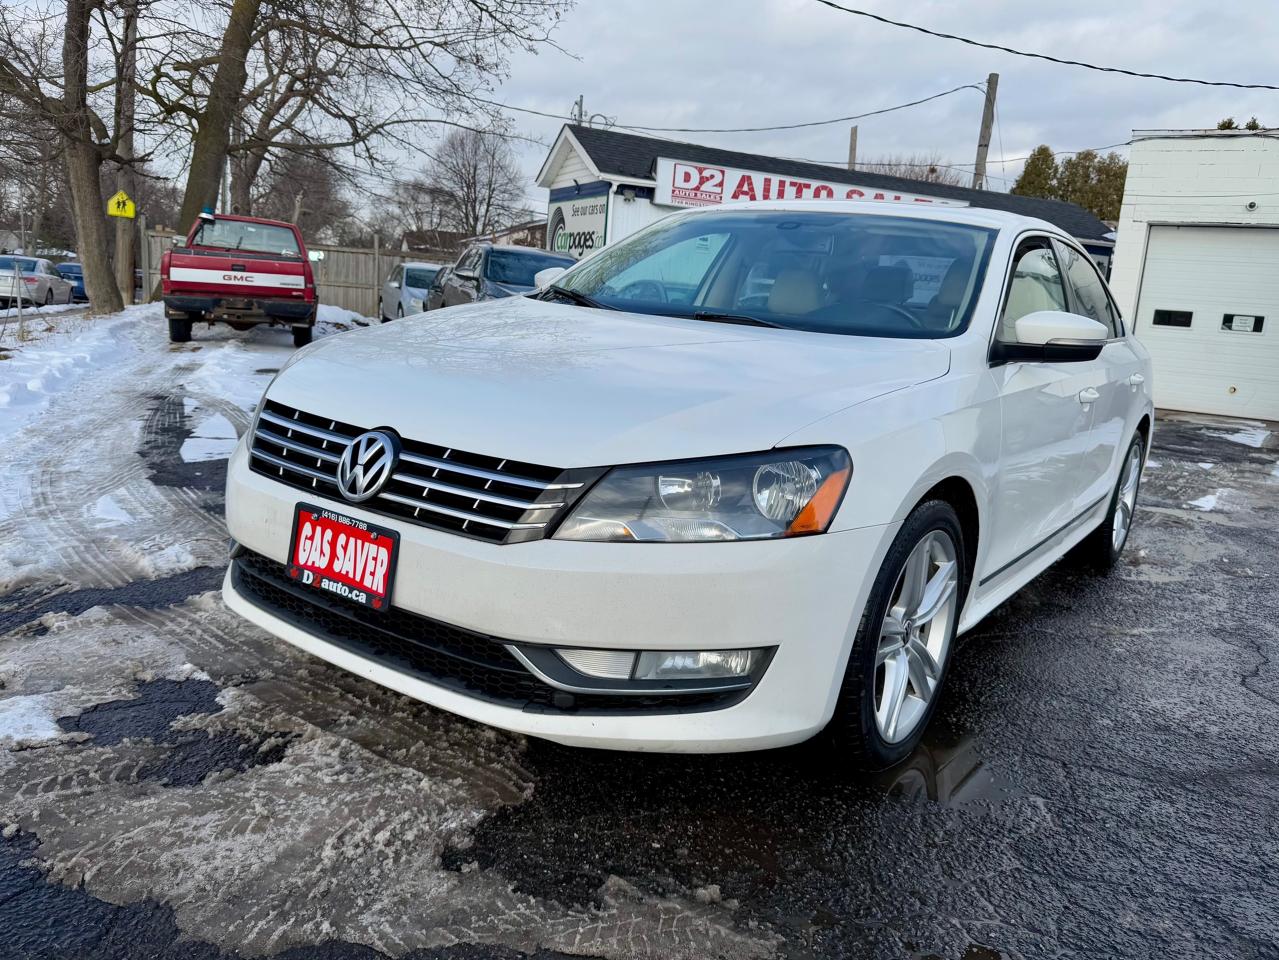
(57, 284)
(1047, 416)
(391, 292)
(1120, 376)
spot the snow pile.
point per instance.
(1209, 502)
(327, 314)
(34, 371)
(1250, 433)
(29, 313)
(23, 719)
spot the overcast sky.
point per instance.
(730, 63)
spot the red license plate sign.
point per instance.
(343, 555)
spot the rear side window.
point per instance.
(1091, 299)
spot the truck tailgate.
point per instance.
(235, 274)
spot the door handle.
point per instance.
(1089, 395)
(1137, 379)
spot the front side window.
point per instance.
(1091, 299)
(1036, 285)
(519, 267)
(240, 235)
(855, 274)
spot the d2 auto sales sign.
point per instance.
(683, 184)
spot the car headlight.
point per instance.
(758, 496)
(416, 304)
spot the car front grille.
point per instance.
(462, 660)
(489, 498)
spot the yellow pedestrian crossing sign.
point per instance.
(121, 206)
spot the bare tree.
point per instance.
(477, 173)
(927, 167)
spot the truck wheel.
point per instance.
(301, 336)
(179, 329)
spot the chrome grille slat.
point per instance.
(292, 465)
(474, 494)
(306, 428)
(298, 447)
(429, 486)
(480, 472)
(457, 514)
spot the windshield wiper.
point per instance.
(581, 299)
(745, 321)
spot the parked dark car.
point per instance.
(488, 272)
(75, 273)
(434, 298)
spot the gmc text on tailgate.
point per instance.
(242, 271)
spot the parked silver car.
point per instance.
(404, 292)
(33, 281)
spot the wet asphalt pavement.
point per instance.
(1100, 780)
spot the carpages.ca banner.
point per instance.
(681, 184)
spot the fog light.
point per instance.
(695, 664)
(605, 664)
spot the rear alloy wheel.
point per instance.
(1100, 550)
(899, 658)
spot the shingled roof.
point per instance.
(634, 156)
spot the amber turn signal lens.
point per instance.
(817, 515)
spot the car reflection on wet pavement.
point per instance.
(1099, 782)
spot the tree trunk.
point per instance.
(84, 163)
(244, 173)
(213, 132)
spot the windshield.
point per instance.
(518, 267)
(24, 265)
(848, 273)
(419, 277)
(239, 235)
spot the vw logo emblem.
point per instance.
(366, 464)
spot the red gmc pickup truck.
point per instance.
(242, 271)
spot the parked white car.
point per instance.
(404, 292)
(738, 479)
(32, 280)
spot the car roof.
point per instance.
(420, 263)
(976, 216)
(522, 250)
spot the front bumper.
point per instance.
(802, 597)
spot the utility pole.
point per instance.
(983, 137)
(579, 109)
(125, 180)
(852, 148)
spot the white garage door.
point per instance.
(1209, 314)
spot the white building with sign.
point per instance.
(605, 185)
(1197, 267)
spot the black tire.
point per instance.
(179, 329)
(301, 336)
(399, 311)
(853, 732)
(1101, 549)
(48, 297)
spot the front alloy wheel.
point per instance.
(914, 637)
(1100, 550)
(897, 666)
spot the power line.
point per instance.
(1044, 56)
(783, 126)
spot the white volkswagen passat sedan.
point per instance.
(737, 479)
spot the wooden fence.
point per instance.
(347, 277)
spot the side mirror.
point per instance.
(177, 240)
(1053, 336)
(544, 278)
(466, 274)
(393, 284)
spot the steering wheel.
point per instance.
(638, 290)
(915, 321)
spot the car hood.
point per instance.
(570, 386)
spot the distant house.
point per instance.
(531, 233)
(433, 241)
